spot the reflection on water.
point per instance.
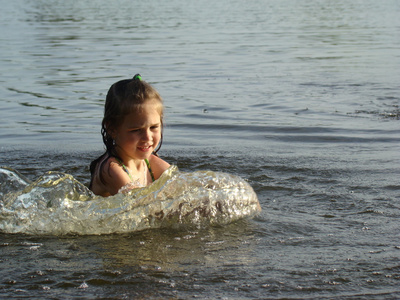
(142, 264)
(167, 250)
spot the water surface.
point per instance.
(299, 98)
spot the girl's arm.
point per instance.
(158, 165)
(114, 176)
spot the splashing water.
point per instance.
(58, 204)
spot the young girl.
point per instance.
(132, 133)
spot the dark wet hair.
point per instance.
(123, 97)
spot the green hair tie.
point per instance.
(137, 77)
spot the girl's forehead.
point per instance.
(152, 104)
(145, 114)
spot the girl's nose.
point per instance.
(146, 136)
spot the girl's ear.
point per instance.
(110, 130)
(113, 134)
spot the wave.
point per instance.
(57, 204)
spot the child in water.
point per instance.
(132, 133)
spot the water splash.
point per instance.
(57, 204)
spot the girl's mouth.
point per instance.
(145, 149)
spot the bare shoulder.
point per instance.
(158, 165)
(114, 176)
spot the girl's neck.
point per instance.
(131, 163)
(134, 164)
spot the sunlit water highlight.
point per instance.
(57, 204)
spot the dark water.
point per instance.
(299, 98)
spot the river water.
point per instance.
(298, 98)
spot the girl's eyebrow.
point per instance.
(135, 126)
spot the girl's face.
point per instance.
(140, 132)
